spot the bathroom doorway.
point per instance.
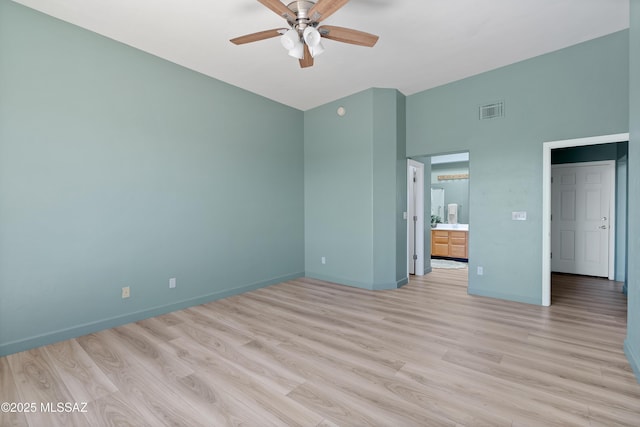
(449, 195)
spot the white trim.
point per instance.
(546, 198)
(419, 268)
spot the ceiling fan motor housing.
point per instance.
(301, 8)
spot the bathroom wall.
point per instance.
(455, 191)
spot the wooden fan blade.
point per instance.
(280, 9)
(347, 35)
(325, 8)
(307, 60)
(262, 35)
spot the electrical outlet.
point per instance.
(126, 292)
(172, 283)
(480, 271)
(324, 260)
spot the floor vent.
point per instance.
(492, 111)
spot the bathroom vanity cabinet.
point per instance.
(450, 243)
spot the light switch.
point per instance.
(519, 216)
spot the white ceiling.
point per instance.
(423, 43)
(450, 158)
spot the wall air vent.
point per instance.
(492, 111)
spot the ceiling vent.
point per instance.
(492, 111)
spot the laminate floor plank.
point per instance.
(357, 382)
(195, 316)
(215, 400)
(326, 423)
(150, 391)
(260, 328)
(465, 395)
(281, 380)
(329, 378)
(85, 381)
(159, 329)
(466, 405)
(312, 353)
(506, 396)
(38, 383)
(602, 415)
(134, 340)
(375, 336)
(310, 332)
(9, 417)
(114, 410)
(589, 392)
(271, 405)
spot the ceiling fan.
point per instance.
(303, 37)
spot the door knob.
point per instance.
(604, 218)
(604, 227)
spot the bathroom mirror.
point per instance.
(437, 203)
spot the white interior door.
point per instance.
(581, 218)
(415, 217)
(411, 217)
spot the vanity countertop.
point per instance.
(456, 227)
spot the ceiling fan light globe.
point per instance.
(316, 50)
(297, 51)
(311, 36)
(290, 39)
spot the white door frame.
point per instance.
(419, 249)
(546, 200)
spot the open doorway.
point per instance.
(445, 227)
(450, 211)
(617, 260)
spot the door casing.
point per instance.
(546, 198)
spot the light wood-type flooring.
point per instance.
(310, 353)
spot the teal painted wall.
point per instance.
(338, 190)
(401, 188)
(388, 147)
(120, 169)
(632, 343)
(575, 92)
(352, 200)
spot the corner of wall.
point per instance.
(633, 355)
(632, 343)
